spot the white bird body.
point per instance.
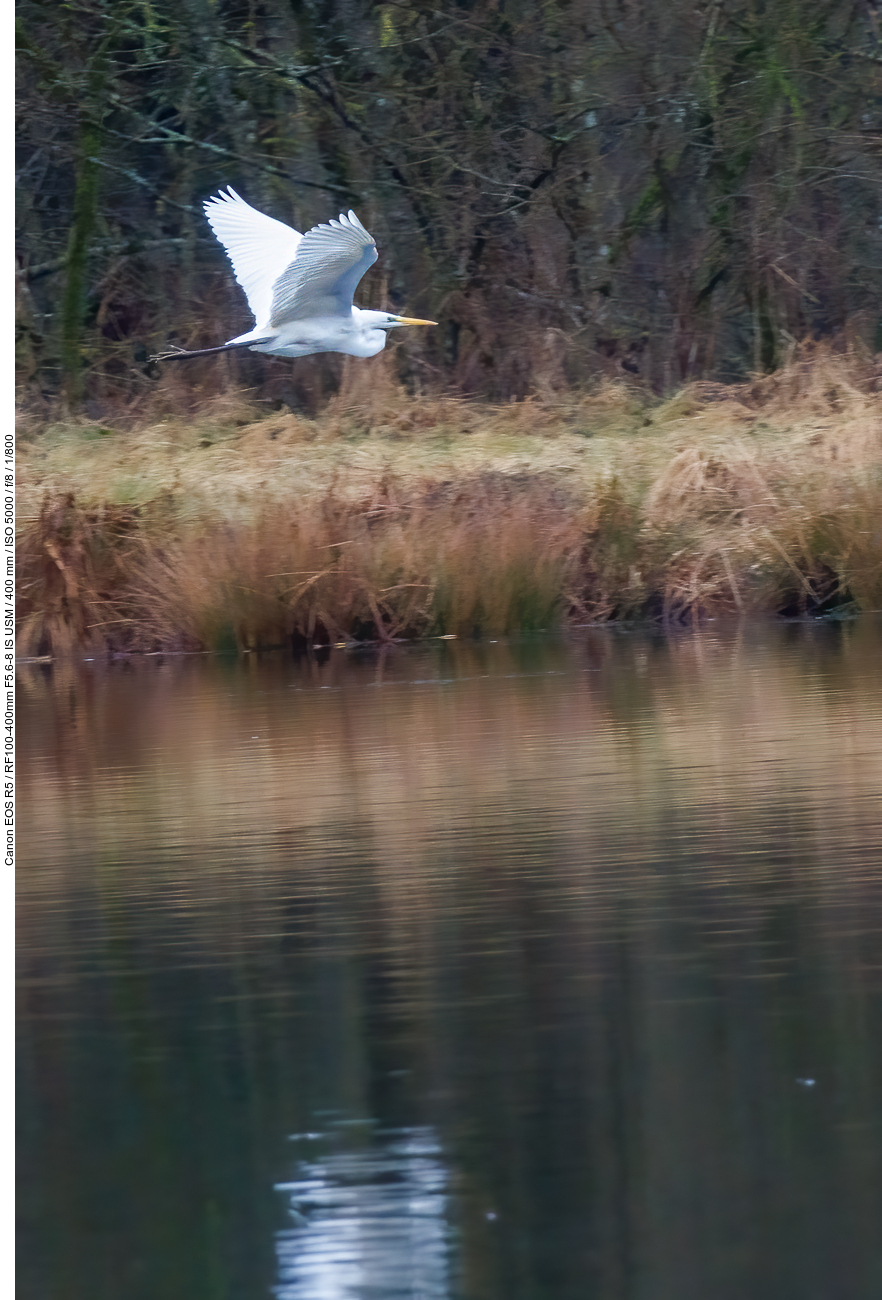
(299, 287)
(358, 336)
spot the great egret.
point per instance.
(299, 287)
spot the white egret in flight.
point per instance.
(299, 287)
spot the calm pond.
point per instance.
(519, 971)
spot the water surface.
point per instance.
(505, 971)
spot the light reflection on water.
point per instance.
(565, 925)
(368, 1223)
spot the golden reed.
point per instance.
(394, 516)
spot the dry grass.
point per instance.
(394, 516)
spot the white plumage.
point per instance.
(299, 287)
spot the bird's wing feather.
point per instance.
(330, 261)
(258, 246)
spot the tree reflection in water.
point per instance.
(569, 923)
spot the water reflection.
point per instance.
(570, 923)
(368, 1223)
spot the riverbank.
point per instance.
(394, 516)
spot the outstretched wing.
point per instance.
(330, 261)
(259, 247)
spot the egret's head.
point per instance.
(386, 320)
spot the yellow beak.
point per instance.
(409, 320)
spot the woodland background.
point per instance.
(665, 189)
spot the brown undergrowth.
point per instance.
(396, 516)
